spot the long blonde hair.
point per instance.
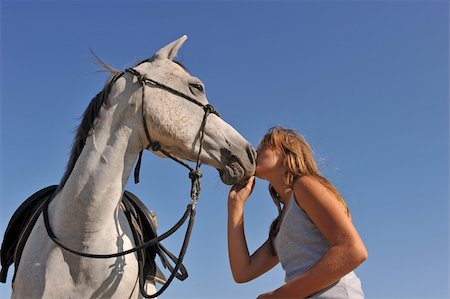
(298, 160)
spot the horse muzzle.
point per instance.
(237, 168)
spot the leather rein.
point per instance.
(194, 175)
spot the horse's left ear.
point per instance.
(171, 50)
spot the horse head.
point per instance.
(175, 122)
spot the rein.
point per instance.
(194, 175)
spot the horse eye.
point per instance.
(197, 86)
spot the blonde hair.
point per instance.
(298, 160)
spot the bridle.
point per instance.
(194, 175)
(155, 146)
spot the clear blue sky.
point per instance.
(367, 83)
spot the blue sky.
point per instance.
(366, 82)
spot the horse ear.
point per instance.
(171, 50)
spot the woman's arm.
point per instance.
(243, 266)
(347, 249)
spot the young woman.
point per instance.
(313, 237)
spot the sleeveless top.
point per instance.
(299, 245)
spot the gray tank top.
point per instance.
(300, 244)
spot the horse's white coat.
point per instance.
(85, 214)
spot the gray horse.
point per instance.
(85, 213)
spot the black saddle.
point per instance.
(142, 222)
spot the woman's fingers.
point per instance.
(241, 190)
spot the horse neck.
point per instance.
(92, 193)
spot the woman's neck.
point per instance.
(285, 191)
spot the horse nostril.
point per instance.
(251, 154)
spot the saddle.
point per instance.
(143, 224)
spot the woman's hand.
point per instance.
(241, 191)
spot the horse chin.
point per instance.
(231, 174)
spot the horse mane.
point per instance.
(91, 113)
(87, 120)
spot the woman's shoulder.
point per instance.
(307, 183)
(308, 188)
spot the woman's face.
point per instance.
(268, 162)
